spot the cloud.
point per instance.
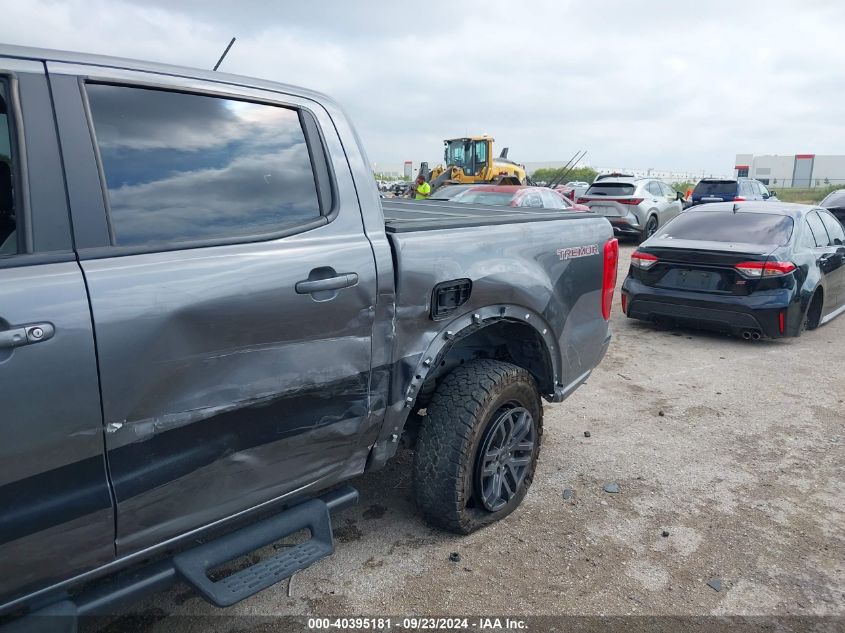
(252, 194)
(663, 84)
(182, 167)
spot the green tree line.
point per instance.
(584, 174)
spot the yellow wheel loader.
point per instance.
(470, 160)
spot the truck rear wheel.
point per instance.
(478, 445)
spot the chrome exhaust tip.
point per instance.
(746, 335)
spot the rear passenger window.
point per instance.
(807, 238)
(819, 231)
(8, 217)
(834, 229)
(182, 167)
(551, 200)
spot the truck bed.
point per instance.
(403, 215)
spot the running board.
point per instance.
(195, 564)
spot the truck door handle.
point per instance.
(21, 335)
(310, 286)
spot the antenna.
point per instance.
(220, 61)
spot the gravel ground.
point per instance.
(730, 462)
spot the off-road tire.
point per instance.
(466, 404)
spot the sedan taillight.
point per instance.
(643, 261)
(757, 270)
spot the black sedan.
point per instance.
(755, 269)
(835, 203)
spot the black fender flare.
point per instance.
(422, 364)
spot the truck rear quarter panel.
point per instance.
(533, 265)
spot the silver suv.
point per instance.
(634, 206)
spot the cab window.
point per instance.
(481, 152)
(8, 215)
(183, 167)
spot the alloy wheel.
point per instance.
(505, 456)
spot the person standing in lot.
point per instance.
(423, 189)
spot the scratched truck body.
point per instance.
(209, 321)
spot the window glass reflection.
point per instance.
(182, 167)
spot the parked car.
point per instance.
(400, 188)
(265, 328)
(612, 175)
(756, 269)
(710, 190)
(635, 207)
(573, 190)
(835, 203)
(566, 191)
(516, 196)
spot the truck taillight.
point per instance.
(643, 261)
(756, 270)
(624, 303)
(611, 261)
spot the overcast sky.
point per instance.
(670, 85)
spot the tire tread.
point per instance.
(449, 429)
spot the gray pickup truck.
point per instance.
(209, 322)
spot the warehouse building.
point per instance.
(798, 170)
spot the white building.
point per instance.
(796, 170)
(668, 176)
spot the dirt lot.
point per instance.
(734, 448)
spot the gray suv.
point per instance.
(634, 206)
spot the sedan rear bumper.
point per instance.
(623, 226)
(731, 314)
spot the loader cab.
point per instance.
(472, 155)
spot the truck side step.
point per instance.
(195, 564)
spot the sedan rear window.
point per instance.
(610, 189)
(717, 226)
(716, 188)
